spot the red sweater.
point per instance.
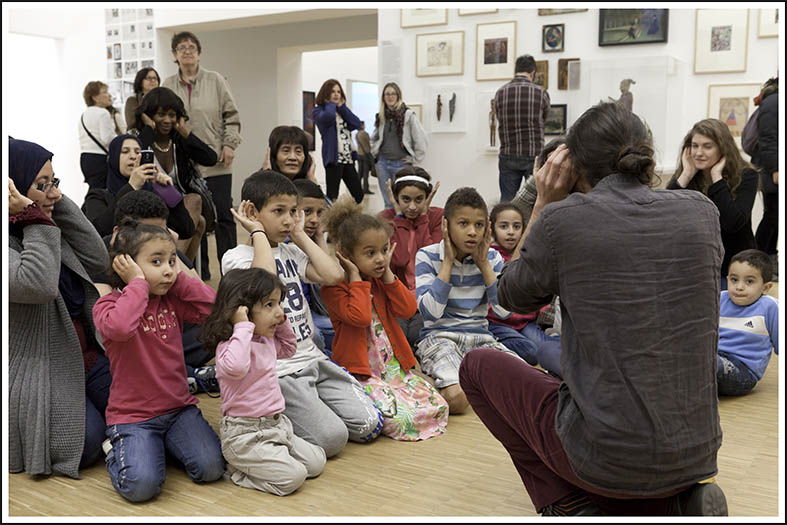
(350, 308)
(142, 336)
(410, 236)
(515, 320)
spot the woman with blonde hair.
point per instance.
(711, 163)
(399, 138)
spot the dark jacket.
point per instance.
(766, 154)
(325, 117)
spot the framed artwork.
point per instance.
(423, 17)
(733, 104)
(721, 40)
(440, 54)
(555, 124)
(547, 12)
(541, 78)
(466, 12)
(308, 120)
(621, 27)
(447, 109)
(495, 51)
(562, 71)
(768, 23)
(552, 38)
(419, 110)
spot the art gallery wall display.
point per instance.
(768, 25)
(547, 12)
(419, 111)
(541, 78)
(553, 38)
(423, 17)
(721, 40)
(733, 104)
(440, 54)
(467, 12)
(308, 119)
(129, 38)
(495, 51)
(447, 109)
(486, 122)
(562, 72)
(555, 124)
(620, 27)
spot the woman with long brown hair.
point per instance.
(711, 163)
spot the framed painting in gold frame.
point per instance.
(733, 104)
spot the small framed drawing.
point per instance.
(621, 27)
(555, 124)
(721, 40)
(733, 104)
(423, 17)
(419, 111)
(562, 71)
(440, 54)
(769, 23)
(552, 38)
(467, 12)
(541, 78)
(495, 51)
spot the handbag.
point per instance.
(82, 118)
(193, 182)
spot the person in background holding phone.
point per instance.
(96, 130)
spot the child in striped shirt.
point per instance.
(456, 282)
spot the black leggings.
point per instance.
(94, 168)
(768, 230)
(335, 173)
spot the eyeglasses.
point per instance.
(183, 48)
(44, 186)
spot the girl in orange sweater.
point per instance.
(369, 342)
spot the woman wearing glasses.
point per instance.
(214, 119)
(147, 78)
(58, 375)
(98, 125)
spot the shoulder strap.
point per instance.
(82, 118)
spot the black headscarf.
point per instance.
(115, 180)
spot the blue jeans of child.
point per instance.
(324, 331)
(137, 461)
(386, 168)
(733, 377)
(530, 343)
(97, 382)
(513, 170)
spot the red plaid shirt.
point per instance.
(521, 109)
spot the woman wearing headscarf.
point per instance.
(58, 375)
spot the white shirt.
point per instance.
(99, 122)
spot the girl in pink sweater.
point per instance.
(249, 330)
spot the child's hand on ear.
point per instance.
(429, 198)
(481, 251)
(518, 247)
(353, 274)
(389, 189)
(244, 217)
(241, 315)
(300, 221)
(127, 268)
(388, 276)
(450, 251)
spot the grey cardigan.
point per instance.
(46, 375)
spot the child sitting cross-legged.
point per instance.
(369, 342)
(749, 324)
(249, 331)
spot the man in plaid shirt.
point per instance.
(521, 108)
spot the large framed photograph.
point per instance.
(553, 38)
(308, 119)
(423, 17)
(768, 23)
(541, 78)
(555, 124)
(440, 54)
(620, 27)
(733, 104)
(495, 51)
(721, 40)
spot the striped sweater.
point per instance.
(461, 305)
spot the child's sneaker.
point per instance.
(205, 380)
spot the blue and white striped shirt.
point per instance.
(462, 305)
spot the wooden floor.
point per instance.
(463, 473)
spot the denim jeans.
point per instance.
(513, 170)
(531, 344)
(97, 382)
(325, 330)
(137, 464)
(733, 377)
(386, 168)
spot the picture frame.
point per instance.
(733, 104)
(440, 54)
(422, 17)
(470, 12)
(555, 123)
(623, 27)
(308, 119)
(541, 76)
(553, 38)
(419, 111)
(721, 40)
(768, 23)
(562, 72)
(548, 12)
(495, 50)
(447, 124)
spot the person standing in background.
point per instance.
(147, 78)
(216, 120)
(521, 108)
(766, 157)
(365, 159)
(97, 128)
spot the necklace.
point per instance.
(162, 150)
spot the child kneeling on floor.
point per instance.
(250, 332)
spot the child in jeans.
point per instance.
(249, 330)
(325, 404)
(369, 341)
(456, 282)
(150, 410)
(749, 324)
